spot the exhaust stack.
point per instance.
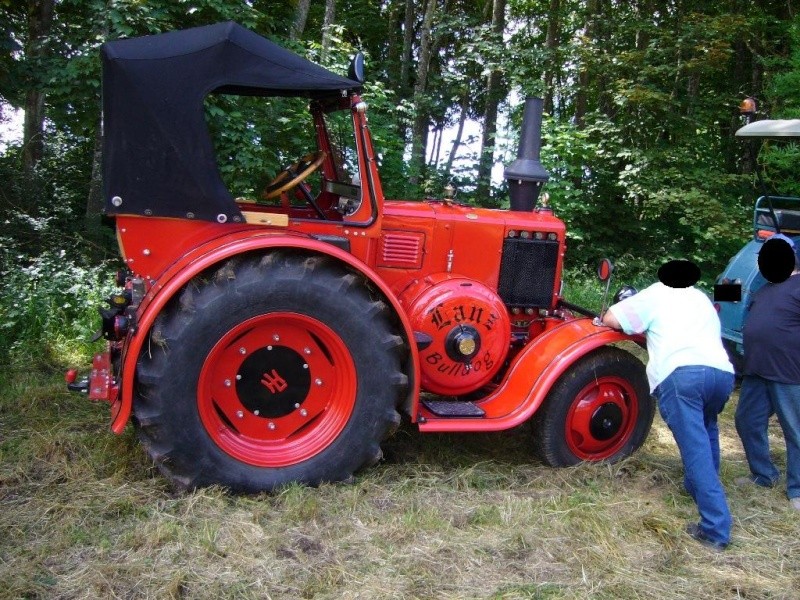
(526, 175)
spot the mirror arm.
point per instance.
(578, 309)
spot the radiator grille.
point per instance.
(528, 272)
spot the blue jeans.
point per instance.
(689, 400)
(759, 399)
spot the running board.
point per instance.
(453, 408)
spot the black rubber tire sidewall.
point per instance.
(549, 423)
(182, 447)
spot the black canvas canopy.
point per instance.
(158, 158)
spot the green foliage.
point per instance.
(255, 137)
(48, 294)
(48, 306)
(639, 143)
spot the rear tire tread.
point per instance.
(234, 286)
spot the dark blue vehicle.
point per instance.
(772, 214)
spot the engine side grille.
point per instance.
(401, 249)
(528, 272)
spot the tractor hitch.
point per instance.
(80, 387)
(100, 385)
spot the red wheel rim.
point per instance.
(601, 419)
(277, 389)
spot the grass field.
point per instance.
(83, 514)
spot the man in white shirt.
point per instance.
(692, 378)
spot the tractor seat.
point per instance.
(788, 220)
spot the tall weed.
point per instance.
(48, 306)
(54, 266)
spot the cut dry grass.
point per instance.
(84, 515)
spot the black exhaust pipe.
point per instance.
(526, 175)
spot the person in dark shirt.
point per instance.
(771, 373)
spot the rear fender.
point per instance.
(216, 251)
(531, 376)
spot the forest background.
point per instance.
(640, 99)
(641, 102)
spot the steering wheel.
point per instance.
(293, 175)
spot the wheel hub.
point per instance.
(606, 421)
(273, 381)
(277, 389)
(601, 419)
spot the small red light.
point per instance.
(717, 306)
(71, 375)
(747, 106)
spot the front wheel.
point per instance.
(600, 409)
(270, 370)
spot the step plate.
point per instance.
(450, 408)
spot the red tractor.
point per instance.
(261, 341)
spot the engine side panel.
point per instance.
(518, 254)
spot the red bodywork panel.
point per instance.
(530, 376)
(195, 258)
(458, 239)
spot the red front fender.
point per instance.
(217, 250)
(530, 377)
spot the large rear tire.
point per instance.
(272, 369)
(599, 410)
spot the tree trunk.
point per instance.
(493, 95)
(327, 23)
(552, 62)
(300, 16)
(437, 146)
(40, 18)
(408, 40)
(419, 133)
(394, 27)
(462, 119)
(584, 77)
(94, 201)
(645, 11)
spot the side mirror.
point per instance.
(356, 70)
(605, 269)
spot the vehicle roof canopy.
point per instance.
(771, 128)
(158, 158)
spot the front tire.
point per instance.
(271, 370)
(599, 410)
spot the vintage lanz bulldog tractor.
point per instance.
(257, 342)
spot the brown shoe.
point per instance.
(749, 480)
(693, 529)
